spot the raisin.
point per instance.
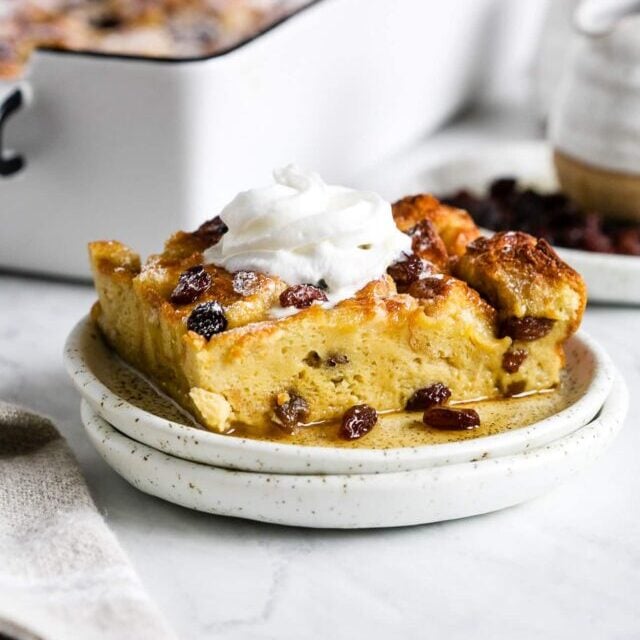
(107, 21)
(407, 271)
(428, 288)
(515, 388)
(291, 413)
(211, 231)
(502, 187)
(302, 296)
(528, 328)
(478, 245)
(628, 242)
(191, 285)
(427, 244)
(312, 359)
(512, 360)
(453, 419)
(245, 282)
(336, 359)
(207, 319)
(594, 238)
(428, 397)
(358, 421)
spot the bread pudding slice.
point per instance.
(485, 317)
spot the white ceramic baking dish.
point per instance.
(133, 148)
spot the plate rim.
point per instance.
(107, 403)
(233, 482)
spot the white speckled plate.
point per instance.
(148, 417)
(609, 278)
(360, 500)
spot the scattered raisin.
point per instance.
(454, 419)
(313, 359)
(515, 388)
(245, 282)
(191, 285)
(593, 236)
(358, 421)
(301, 296)
(207, 319)
(107, 21)
(628, 242)
(427, 244)
(407, 271)
(478, 245)
(291, 413)
(428, 288)
(336, 359)
(502, 187)
(211, 231)
(512, 360)
(428, 397)
(528, 328)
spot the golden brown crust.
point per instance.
(520, 254)
(112, 258)
(454, 226)
(523, 276)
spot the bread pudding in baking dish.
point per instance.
(304, 303)
(175, 29)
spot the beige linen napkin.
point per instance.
(63, 575)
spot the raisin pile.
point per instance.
(552, 216)
(207, 319)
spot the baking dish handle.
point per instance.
(10, 163)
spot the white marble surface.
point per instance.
(564, 566)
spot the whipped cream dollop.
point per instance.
(309, 232)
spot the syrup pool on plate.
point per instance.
(399, 429)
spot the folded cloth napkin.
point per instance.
(63, 575)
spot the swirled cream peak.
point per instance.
(306, 231)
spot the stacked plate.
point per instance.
(151, 443)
